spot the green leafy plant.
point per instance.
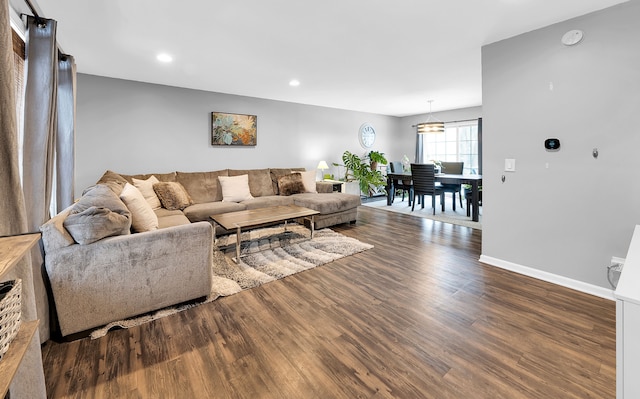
(376, 156)
(357, 168)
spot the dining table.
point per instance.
(475, 181)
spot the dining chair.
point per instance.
(453, 168)
(399, 184)
(424, 183)
(467, 196)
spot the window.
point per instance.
(461, 142)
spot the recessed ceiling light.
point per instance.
(164, 57)
(294, 83)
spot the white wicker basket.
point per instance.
(10, 312)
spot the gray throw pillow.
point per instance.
(98, 214)
(94, 224)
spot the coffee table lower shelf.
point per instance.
(254, 218)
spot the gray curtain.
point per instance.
(29, 379)
(419, 148)
(48, 149)
(40, 97)
(65, 136)
(39, 119)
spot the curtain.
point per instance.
(39, 119)
(39, 143)
(48, 148)
(419, 148)
(29, 379)
(65, 140)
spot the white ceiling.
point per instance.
(379, 56)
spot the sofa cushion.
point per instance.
(235, 188)
(167, 218)
(324, 187)
(259, 181)
(98, 214)
(202, 186)
(290, 184)
(172, 195)
(110, 177)
(202, 212)
(327, 203)
(267, 201)
(163, 177)
(122, 178)
(163, 212)
(277, 172)
(142, 216)
(149, 194)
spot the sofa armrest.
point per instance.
(123, 276)
(324, 187)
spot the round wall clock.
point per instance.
(367, 135)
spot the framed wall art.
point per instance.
(234, 129)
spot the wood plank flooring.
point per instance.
(416, 317)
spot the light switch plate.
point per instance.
(509, 165)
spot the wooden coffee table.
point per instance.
(253, 218)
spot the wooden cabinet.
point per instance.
(628, 324)
(12, 249)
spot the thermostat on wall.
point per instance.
(552, 144)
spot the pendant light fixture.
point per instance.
(432, 125)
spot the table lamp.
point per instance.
(323, 166)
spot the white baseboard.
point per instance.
(550, 277)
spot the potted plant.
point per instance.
(375, 158)
(358, 169)
(438, 165)
(406, 164)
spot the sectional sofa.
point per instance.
(137, 243)
(206, 194)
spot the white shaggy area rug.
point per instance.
(267, 255)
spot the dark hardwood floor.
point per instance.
(416, 317)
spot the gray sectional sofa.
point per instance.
(100, 270)
(205, 192)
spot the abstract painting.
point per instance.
(234, 129)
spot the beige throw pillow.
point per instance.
(142, 216)
(172, 195)
(309, 181)
(146, 188)
(235, 188)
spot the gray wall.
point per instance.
(571, 217)
(132, 127)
